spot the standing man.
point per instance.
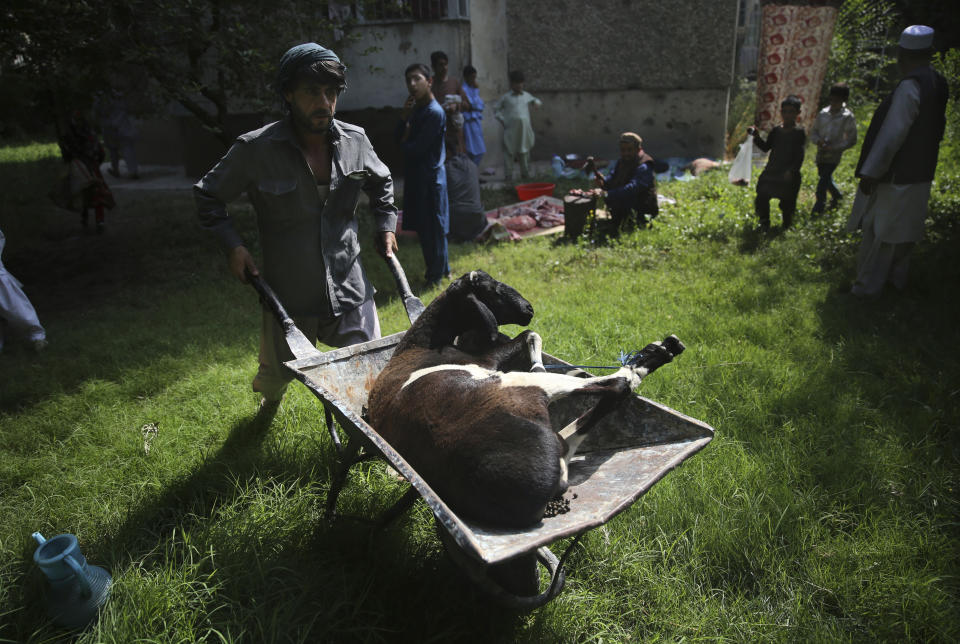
(120, 132)
(896, 167)
(303, 175)
(16, 311)
(425, 204)
(447, 91)
(473, 116)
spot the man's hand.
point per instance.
(868, 185)
(241, 262)
(752, 131)
(386, 243)
(407, 107)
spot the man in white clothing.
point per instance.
(16, 311)
(896, 167)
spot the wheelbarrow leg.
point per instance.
(347, 459)
(518, 576)
(402, 505)
(332, 428)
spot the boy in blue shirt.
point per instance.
(426, 209)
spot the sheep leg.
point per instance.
(653, 356)
(522, 353)
(535, 351)
(610, 396)
(559, 385)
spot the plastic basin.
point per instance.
(528, 191)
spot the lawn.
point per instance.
(825, 508)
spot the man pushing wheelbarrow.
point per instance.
(306, 205)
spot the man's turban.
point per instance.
(296, 57)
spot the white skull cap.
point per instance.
(917, 37)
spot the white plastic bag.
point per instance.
(742, 164)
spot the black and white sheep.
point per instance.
(468, 408)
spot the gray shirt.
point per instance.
(311, 254)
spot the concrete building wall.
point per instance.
(375, 85)
(673, 123)
(375, 79)
(660, 68)
(488, 44)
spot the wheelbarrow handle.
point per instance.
(403, 286)
(268, 297)
(299, 345)
(411, 303)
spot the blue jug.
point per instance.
(77, 589)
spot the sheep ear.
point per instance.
(481, 317)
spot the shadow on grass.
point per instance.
(753, 238)
(893, 368)
(188, 500)
(865, 438)
(162, 330)
(315, 581)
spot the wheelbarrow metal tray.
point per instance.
(623, 456)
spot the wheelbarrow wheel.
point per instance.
(514, 583)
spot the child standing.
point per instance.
(780, 179)
(80, 147)
(513, 112)
(833, 131)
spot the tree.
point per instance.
(50, 53)
(214, 57)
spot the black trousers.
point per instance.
(788, 202)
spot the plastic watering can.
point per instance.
(77, 589)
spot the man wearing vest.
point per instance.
(896, 167)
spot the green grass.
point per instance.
(825, 509)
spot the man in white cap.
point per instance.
(896, 167)
(304, 175)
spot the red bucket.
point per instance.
(529, 191)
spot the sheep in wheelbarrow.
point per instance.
(467, 407)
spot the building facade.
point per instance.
(661, 68)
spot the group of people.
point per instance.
(896, 166)
(464, 109)
(304, 174)
(81, 188)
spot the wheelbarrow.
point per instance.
(630, 450)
